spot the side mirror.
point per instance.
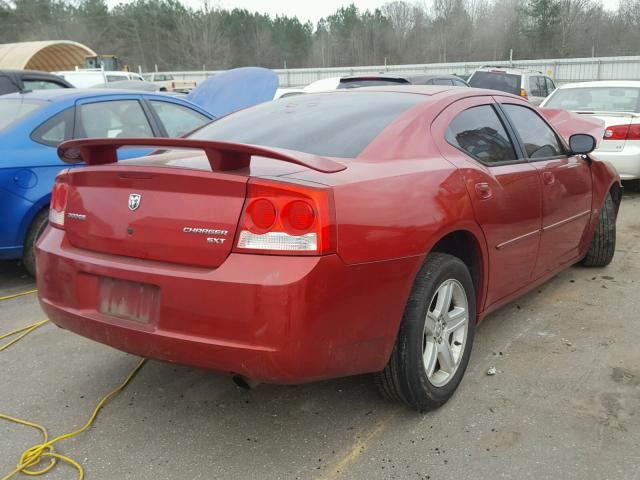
(581, 144)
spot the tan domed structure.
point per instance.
(51, 55)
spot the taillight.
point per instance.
(523, 93)
(622, 132)
(58, 206)
(287, 219)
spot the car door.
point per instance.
(504, 189)
(565, 182)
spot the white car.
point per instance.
(323, 85)
(288, 92)
(617, 103)
(92, 77)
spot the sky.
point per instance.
(312, 10)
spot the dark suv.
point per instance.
(382, 79)
(12, 81)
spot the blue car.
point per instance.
(33, 124)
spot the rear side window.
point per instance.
(479, 132)
(504, 82)
(339, 124)
(13, 110)
(177, 119)
(550, 85)
(459, 83)
(116, 78)
(7, 86)
(55, 130)
(537, 87)
(41, 84)
(540, 141)
(120, 118)
(442, 81)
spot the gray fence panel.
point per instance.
(562, 70)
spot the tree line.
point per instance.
(173, 36)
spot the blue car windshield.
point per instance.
(15, 109)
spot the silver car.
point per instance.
(529, 84)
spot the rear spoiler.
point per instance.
(222, 155)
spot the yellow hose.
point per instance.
(16, 295)
(24, 331)
(31, 458)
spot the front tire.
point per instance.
(435, 338)
(35, 230)
(603, 243)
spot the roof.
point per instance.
(71, 93)
(45, 55)
(411, 77)
(603, 83)
(511, 70)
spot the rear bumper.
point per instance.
(626, 162)
(274, 319)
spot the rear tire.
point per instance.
(435, 338)
(603, 243)
(35, 230)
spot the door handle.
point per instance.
(483, 191)
(548, 178)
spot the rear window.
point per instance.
(330, 124)
(504, 82)
(371, 82)
(599, 99)
(13, 110)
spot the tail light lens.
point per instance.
(58, 205)
(523, 93)
(286, 219)
(622, 132)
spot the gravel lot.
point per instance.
(564, 404)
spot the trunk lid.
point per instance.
(172, 215)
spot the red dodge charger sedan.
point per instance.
(326, 235)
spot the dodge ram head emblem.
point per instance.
(134, 201)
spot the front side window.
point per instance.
(442, 81)
(540, 141)
(479, 132)
(55, 130)
(114, 119)
(177, 119)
